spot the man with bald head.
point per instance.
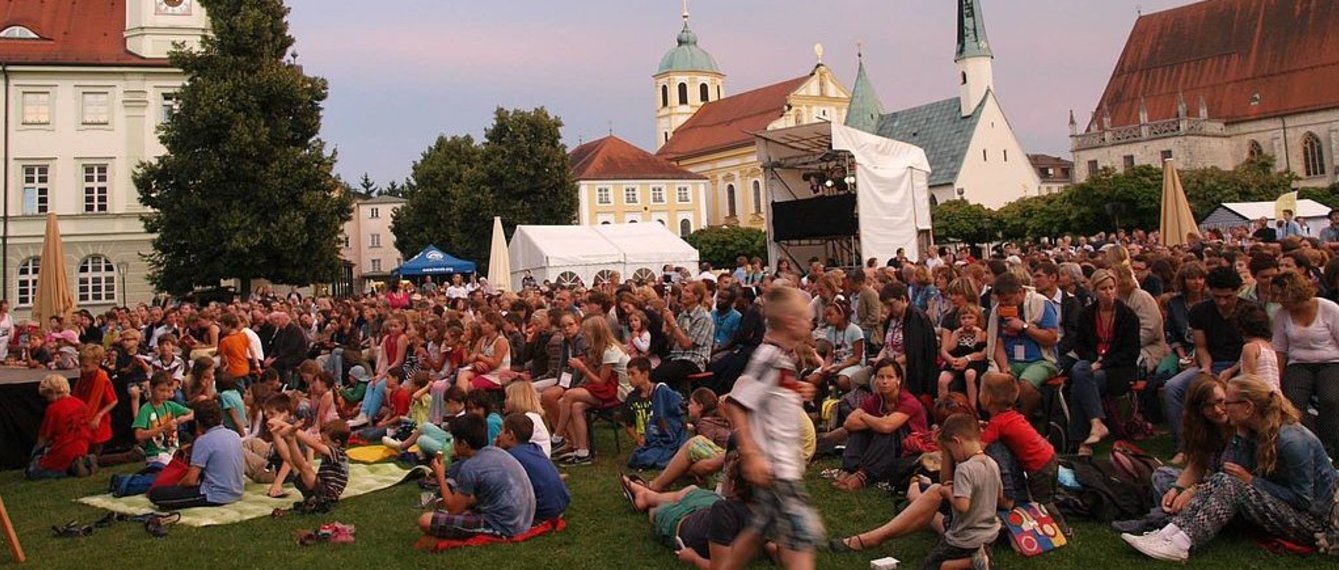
(289, 347)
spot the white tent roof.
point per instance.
(549, 251)
(1306, 208)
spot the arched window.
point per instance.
(703, 92)
(1254, 150)
(19, 33)
(664, 95)
(644, 276)
(568, 279)
(1313, 155)
(757, 197)
(934, 201)
(97, 280)
(685, 228)
(731, 208)
(27, 289)
(601, 277)
(964, 78)
(683, 93)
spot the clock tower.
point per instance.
(152, 26)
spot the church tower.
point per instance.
(687, 79)
(152, 26)
(865, 109)
(974, 58)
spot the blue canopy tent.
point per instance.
(433, 261)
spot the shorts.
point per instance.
(669, 518)
(605, 392)
(485, 382)
(782, 513)
(944, 552)
(462, 526)
(701, 447)
(1034, 373)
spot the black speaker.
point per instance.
(815, 218)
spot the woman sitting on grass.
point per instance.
(1278, 480)
(876, 429)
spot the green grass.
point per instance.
(603, 531)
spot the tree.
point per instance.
(394, 188)
(367, 187)
(1255, 180)
(720, 245)
(246, 188)
(519, 172)
(964, 221)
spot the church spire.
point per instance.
(865, 109)
(972, 40)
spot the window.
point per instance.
(964, 78)
(27, 289)
(1166, 155)
(376, 240)
(97, 280)
(604, 196)
(683, 93)
(757, 197)
(170, 106)
(657, 194)
(1006, 156)
(1064, 173)
(1254, 150)
(18, 33)
(1092, 168)
(682, 195)
(1047, 172)
(685, 228)
(664, 95)
(374, 213)
(97, 108)
(345, 240)
(95, 188)
(1313, 155)
(703, 92)
(1128, 161)
(630, 195)
(730, 205)
(376, 265)
(36, 189)
(718, 91)
(36, 108)
(985, 156)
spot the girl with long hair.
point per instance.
(605, 369)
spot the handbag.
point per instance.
(1031, 529)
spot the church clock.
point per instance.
(173, 7)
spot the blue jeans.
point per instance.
(1176, 389)
(376, 393)
(1086, 389)
(1011, 473)
(35, 471)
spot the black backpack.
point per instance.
(1108, 493)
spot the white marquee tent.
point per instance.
(592, 253)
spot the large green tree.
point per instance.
(519, 172)
(246, 188)
(960, 220)
(720, 245)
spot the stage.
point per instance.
(21, 409)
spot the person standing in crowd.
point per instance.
(1306, 336)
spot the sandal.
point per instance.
(844, 544)
(855, 482)
(626, 484)
(157, 524)
(833, 473)
(72, 529)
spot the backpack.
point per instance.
(1108, 493)
(1136, 464)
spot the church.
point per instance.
(1217, 82)
(87, 85)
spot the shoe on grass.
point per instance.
(1157, 547)
(578, 459)
(391, 442)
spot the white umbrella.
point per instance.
(499, 262)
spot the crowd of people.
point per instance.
(730, 382)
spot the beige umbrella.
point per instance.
(499, 261)
(53, 285)
(1177, 220)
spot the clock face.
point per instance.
(173, 7)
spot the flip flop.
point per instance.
(626, 484)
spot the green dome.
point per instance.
(687, 56)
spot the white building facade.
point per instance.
(369, 245)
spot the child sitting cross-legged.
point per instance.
(551, 494)
(1028, 463)
(432, 439)
(63, 441)
(320, 488)
(664, 430)
(490, 493)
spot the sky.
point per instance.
(402, 73)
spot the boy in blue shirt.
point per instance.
(551, 494)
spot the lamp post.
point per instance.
(123, 267)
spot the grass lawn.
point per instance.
(603, 531)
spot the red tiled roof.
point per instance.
(612, 158)
(1226, 51)
(89, 32)
(731, 121)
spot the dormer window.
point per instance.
(18, 33)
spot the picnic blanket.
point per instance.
(254, 504)
(431, 544)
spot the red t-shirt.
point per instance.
(400, 400)
(1031, 449)
(65, 427)
(906, 403)
(97, 393)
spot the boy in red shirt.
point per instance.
(94, 387)
(394, 411)
(63, 441)
(1028, 463)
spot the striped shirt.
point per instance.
(333, 475)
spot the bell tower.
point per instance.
(152, 26)
(687, 79)
(975, 73)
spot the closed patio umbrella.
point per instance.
(499, 260)
(1177, 220)
(53, 285)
